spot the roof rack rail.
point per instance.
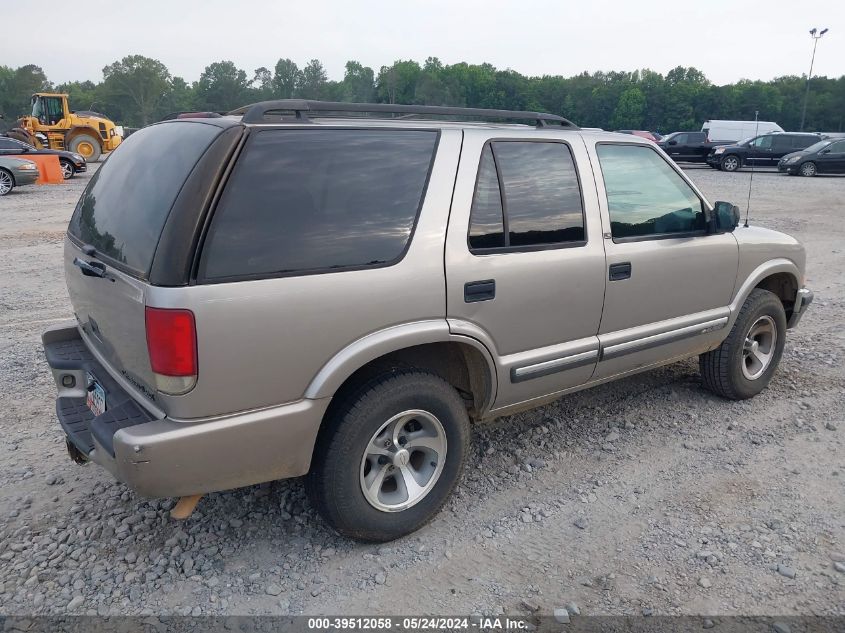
(297, 111)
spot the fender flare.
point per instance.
(766, 269)
(392, 339)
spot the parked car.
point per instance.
(640, 133)
(691, 147)
(71, 162)
(290, 291)
(735, 131)
(761, 151)
(824, 157)
(16, 172)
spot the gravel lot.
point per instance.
(645, 496)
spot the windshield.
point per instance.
(669, 137)
(746, 141)
(815, 147)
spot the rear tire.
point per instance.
(7, 182)
(68, 170)
(86, 146)
(730, 163)
(808, 169)
(405, 423)
(742, 366)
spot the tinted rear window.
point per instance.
(313, 200)
(126, 203)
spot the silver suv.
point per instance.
(303, 288)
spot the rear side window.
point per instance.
(316, 200)
(696, 137)
(527, 195)
(784, 142)
(645, 196)
(803, 142)
(124, 207)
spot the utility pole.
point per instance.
(816, 37)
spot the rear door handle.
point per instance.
(475, 291)
(620, 271)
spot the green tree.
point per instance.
(222, 86)
(630, 111)
(313, 80)
(262, 83)
(286, 78)
(17, 86)
(136, 85)
(358, 83)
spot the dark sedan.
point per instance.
(824, 157)
(71, 162)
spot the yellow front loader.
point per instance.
(53, 125)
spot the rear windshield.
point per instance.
(125, 205)
(303, 201)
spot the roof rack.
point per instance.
(297, 111)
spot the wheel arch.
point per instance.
(462, 361)
(779, 276)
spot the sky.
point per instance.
(727, 39)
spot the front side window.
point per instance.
(645, 196)
(680, 139)
(762, 142)
(837, 148)
(527, 195)
(304, 201)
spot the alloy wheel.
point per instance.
(730, 163)
(808, 169)
(6, 183)
(759, 347)
(67, 170)
(403, 460)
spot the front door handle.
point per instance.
(475, 291)
(620, 271)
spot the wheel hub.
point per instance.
(403, 460)
(759, 347)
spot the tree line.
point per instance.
(138, 90)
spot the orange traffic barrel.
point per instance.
(48, 166)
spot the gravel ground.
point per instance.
(645, 496)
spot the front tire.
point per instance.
(742, 366)
(730, 163)
(808, 169)
(86, 146)
(389, 456)
(68, 170)
(7, 182)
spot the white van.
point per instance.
(737, 130)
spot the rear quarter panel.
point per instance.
(261, 343)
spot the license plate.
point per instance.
(96, 399)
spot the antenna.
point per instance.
(751, 179)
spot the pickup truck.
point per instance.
(692, 147)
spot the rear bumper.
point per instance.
(803, 298)
(162, 457)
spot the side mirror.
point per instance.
(673, 142)
(725, 217)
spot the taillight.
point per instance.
(172, 344)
